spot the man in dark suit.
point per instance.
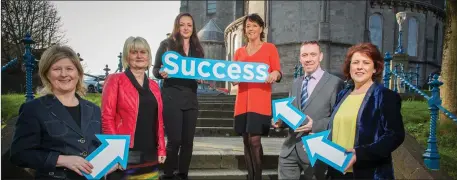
(315, 94)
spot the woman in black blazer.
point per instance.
(55, 132)
(180, 104)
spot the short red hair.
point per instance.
(369, 50)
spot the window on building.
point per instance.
(435, 42)
(412, 36)
(210, 7)
(375, 26)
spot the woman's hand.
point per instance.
(352, 161)
(273, 77)
(162, 159)
(163, 73)
(75, 163)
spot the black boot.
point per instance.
(181, 176)
(167, 177)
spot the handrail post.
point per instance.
(106, 69)
(29, 61)
(295, 71)
(417, 75)
(395, 78)
(431, 155)
(119, 66)
(387, 74)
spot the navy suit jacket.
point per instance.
(45, 130)
(379, 131)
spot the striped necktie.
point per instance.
(304, 92)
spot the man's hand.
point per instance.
(352, 161)
(307, 127)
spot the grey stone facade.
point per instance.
(337, 25)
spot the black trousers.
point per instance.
(180, 124)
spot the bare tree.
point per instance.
(449, 63)
(85, 67)
(37, 17)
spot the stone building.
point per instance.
(337, 25)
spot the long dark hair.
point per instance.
(177, 39)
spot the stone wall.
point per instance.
(337, 25)
(224, 14)
(214, 50)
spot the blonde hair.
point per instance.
(50, 57)
(133, 43)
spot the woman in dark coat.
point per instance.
(56, 132)
(374, 128)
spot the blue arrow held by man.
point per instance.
(283, 109)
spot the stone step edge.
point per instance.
(221, 111)
(215, 118)
(226, 152)
(231, 172)
(215, 102)
(217, 127)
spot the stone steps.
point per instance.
(228, 159)
(229, 132)
(223, 158)
(229, 174)
(215, 122)
(215, 114)
(228, 153)
(223, 106)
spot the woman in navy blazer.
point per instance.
(367, 118)
(56, 132)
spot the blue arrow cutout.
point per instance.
(317, 146)
(283, 109)
(114, 149)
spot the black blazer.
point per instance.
(379, 131)
(179, 92)
(45, 130)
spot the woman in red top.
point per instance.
(253, 101)
(132, 105)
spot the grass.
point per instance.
(416, 117)
(10, 106)
(12, 102)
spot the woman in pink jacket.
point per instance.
(132, 105)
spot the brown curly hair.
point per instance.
(369, 50)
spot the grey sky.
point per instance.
(97, 30)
